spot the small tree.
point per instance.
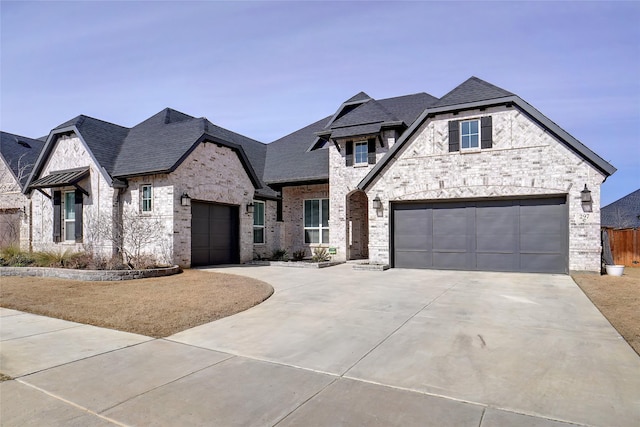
(129, 234)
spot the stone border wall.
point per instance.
(298, 264)
(88, 275)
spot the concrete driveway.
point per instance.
(341, 347)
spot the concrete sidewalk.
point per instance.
(339, 347)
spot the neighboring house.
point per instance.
(623, 213)
(100, 186)
(475, 180)
(621, 220)
(18, 155)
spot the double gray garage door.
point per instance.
(214, 234)
(498, 235)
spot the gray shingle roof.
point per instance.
(104, 139)
(20, 154)
(369, 112)
(472, 90)
(290, 159)
(160, 143)
(623, 213)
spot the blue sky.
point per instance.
(265, 69)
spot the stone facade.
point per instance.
(273, 233)
(70, 152)
(525, 160)
(344, 181)
(292, 213)
(211, 173)
(13, 208)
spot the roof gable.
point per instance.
(477, 89)
(623, 213)
(20, 155)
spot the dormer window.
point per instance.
(361, 153)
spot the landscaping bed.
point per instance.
(618, 299)
(155, 307)
(298, 264)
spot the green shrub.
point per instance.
(56, 259)
(12, 256)
(280, 255)
(299, 255)
(320, 255)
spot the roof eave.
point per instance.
(321, 179)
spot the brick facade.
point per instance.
(69, 153)
(525, 160)
(13, 208)
(292, 213)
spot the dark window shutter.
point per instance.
(57, 216)
(486, 132)
(279, 210)
(78, 208)
(372, 151)
(349, 153)
(454, 135)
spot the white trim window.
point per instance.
(146, 198)
(69, 216)
(361, 152)
(258, 222)
(470, 134)
(316, 221)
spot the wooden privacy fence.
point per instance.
(625, 246)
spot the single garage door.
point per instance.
(214, 234)
(498, 235)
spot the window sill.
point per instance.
(470, 150)
(361, 165)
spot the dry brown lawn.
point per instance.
(618, 299)
(156, 307)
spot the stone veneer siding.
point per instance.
(524, 161)
(211, 173)
(273, 236)
(292, 213)
(14, 222)
(69, 153)
(344, 181)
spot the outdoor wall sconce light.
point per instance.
(185, 200)
(585, 198)
(249, 208)
(377, 203)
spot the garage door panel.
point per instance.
(413, 259)
(451, 260)
(449, 221)
(450, 242)
(496, 262)
(551, 243)
(498, 243)
(542, 263)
